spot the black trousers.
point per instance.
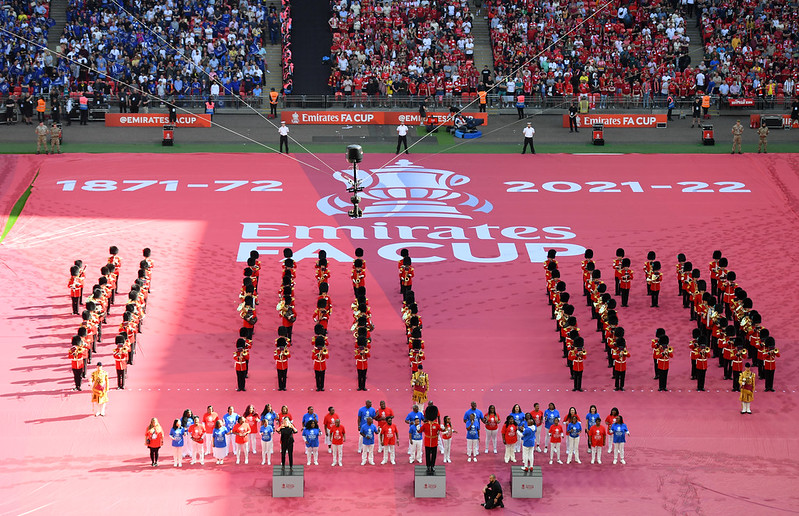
(482, 108)
(361, 379)
(727, 369)
(572, 124)
(693, 369)
(287, 448)
(284, 140)
(735, 376)
(241, 380)
(617, 283)
(700, 379)
(655, 362)
(402, 140)
(84, 117)
(273, 109)
(528, 141)
(282, 376)
(769, 379)
(78, 374)
(154, 455)
(663, 377)
(578, 380)
(430, 453)
(75, 305)
(620, 379)
(121, 373)
(625, 296)
(520, 110)
(489, 500)
(655, 296)
(320, 380)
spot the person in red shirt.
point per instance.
(75, 286)
(327, 423)
(242, 432)
(431, 428)
(555, 437)
(538, 419)
(509, 437)
(446, 438)
(381, 415)
(209, 420)
(597, 436)
(609, 421)
(252, 419)
(492, 421)
(389, 436)
(282, 355)
(197, 434)
(337, 438)
(154, 439)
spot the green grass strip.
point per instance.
(16, 210)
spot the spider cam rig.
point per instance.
(355, 156)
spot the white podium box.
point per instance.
(288, 483)
(429, 486)
(526, 484)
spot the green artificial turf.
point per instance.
(17, 208)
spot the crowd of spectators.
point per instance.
(286, 61)
(22, 66)
(403, 48)
(751, 49)
(637, 51)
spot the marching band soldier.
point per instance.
(359, 256)
(77, 357)
(362, 362)
(770, 362)
(577, 355)
(321, 314)
(254, 272)
(617, 265)
(319, 356)
(420, 383)
(702, 353)
(406, 276)
(714, 272)
(650, 260)
(664, 354)
(240, 364)
(358, 275)
(282, 355)
(655, 345)
(121, 361)
(728, 294)
(625, 279)
(620, 356)
(91, 325)
(550, 264)
(726, 352)
(404, 253)
(589, 260)
(680, 272)
(248, 315)
(757, 351)
(416, 354)
(738, 356)
(115, 261)
(693, 347)
(321, 272)
(75, 286)
(655, 278)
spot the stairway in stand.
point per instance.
(482, 40)
(58, 12)
(310, 40)
(695, 48)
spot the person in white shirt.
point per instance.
(528, 132)
(284, 136)
(402, 137)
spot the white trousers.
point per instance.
(416, 450)
(209, 443)
(338, 452)
(388, 453)
(239, 448)
(510, 452)
(198, 452)
(254, 437)
(491, 437)
(312, 453)
(177, 453)
(573, 448)
(527, 456)
(266, 452)
(596, 454)
(618, 451)
(547, 438)
(538, 434)
(554, 451)
(446, 448)
(360, 443)
(472, 447)
(368, 453)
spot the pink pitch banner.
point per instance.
(626, 120)
(155, 120)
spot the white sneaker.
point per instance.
(246, 460)
(392, 461)
(538, 448)
(622, 461)
(373, 462)
(237, 460)
(569, 460)
(495, 451)
(513, 460)
(550, 462)
(315, 463)
(192, 462)
(469, 459)
(333, 464)
(383, 462)
(486, 451)
(340, 464)
(419, 461)
(545, 450)
(180, 464)
(599, 461)
(506, 461)
(475, 459)
(592, 461)
(411, 462)
(363, 463)
(263, 462)
(560, 461)
(614, 461)
(578, 461)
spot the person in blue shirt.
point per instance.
(220, 442)
(573, 430)
(268, 415)
(412, 415)
(266, 431)
(176, 433)
(590, 420)
(311, 437)
(528, 443)
(230, 420)
(518, 417)
(367, 411)
(620, 433)
(309, 416)
(478, 414)
(368, 431)
(472, 437)
(415, 436)
(550, 415)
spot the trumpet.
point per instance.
(772, 351)
(669, 350)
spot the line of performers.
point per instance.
(420, 382)
(728, 328)
(95, 314)
(248, 301)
